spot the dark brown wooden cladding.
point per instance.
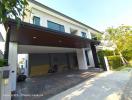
(29, 34)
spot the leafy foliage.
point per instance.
(3, 63)
(12, 9)
(101, 55)
(127, 54)
(114, 62)
(121, 37)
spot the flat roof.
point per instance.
(30, 34)
(61, 14)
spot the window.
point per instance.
(56, 26)
(36, 20)
(84, 34)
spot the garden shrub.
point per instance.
(127, 54)
(3, 63)
(114, 62)
(101, 55)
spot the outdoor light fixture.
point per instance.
(59, 41)
(34, 37)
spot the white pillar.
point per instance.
(91, 60)
(82, 59)
(107, 63)
(12, 60)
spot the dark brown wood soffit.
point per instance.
(29, 34)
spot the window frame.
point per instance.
(60, 26)
(84, 36)
(34, 20)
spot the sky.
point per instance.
(99, 14)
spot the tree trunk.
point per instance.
(122, 58)
(114, 52)
(125, 60)
(6, 52)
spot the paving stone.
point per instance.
(47, 86)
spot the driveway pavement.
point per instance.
(43, 87)
(106, 86)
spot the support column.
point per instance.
(12, 60)
(95, 55)
(82, 63)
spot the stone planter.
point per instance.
(5, 88)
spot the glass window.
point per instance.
(84, 34)
(56, 26)
(36, 20)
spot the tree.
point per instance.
(121, 37)
(11, 9)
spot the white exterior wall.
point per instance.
(82, 63)
(2, 37)
(12, 61)
(46, 15)
(81, 57)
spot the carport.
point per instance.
(40, 59)
(31, 39)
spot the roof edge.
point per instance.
(61, 14)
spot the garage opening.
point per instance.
(42, 64)
(41, 60)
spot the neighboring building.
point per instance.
(1, 55)
(2, 38)
(50, 38)
(105, 44)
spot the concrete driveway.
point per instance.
(106, 86)
(43, 87)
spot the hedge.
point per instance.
(101, 55)
(127, 54)
(114, 62)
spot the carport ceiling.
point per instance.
(29, 34)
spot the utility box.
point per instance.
(6, 74)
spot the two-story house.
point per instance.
(51, 41)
